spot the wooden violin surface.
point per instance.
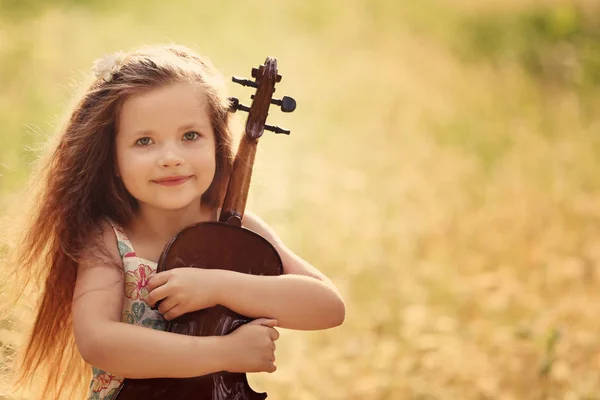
(217, 246)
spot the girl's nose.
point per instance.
(170, 159)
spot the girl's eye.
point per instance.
(191, 135)
(145, 141)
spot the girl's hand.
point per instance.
(182, 290)
(251, 347)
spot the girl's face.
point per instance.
(165, 146)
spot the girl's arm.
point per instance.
(303, 298)
(139, 352)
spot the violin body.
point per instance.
(219, 246)
(224, 245)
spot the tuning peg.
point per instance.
(235, 105)
(244, 82)
(277, 129)
(287, 104)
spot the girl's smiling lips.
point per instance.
(172, 180)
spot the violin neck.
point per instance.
(239, 183)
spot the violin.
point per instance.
(222, 244)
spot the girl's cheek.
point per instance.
(141, 160)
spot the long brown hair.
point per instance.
(77, 186)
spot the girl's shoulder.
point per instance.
(256, 224)
(103, 242)
(124, 246)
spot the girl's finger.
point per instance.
(166, 305)
(264, 322)
(173, 313)
(157, 295)
(157, 280)
(274, 334)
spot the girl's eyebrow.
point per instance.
(185, 127)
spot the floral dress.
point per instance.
(104, 385)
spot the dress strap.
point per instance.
(125, 247)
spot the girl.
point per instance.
(146, 151)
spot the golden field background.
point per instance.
(442, 170)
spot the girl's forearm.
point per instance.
(132, 351)
(295, 301)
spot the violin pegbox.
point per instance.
(265, 78)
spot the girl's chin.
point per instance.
(174, 204)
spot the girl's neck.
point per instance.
(160, 226)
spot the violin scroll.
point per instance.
(265, 78)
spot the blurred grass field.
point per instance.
(442, 170)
